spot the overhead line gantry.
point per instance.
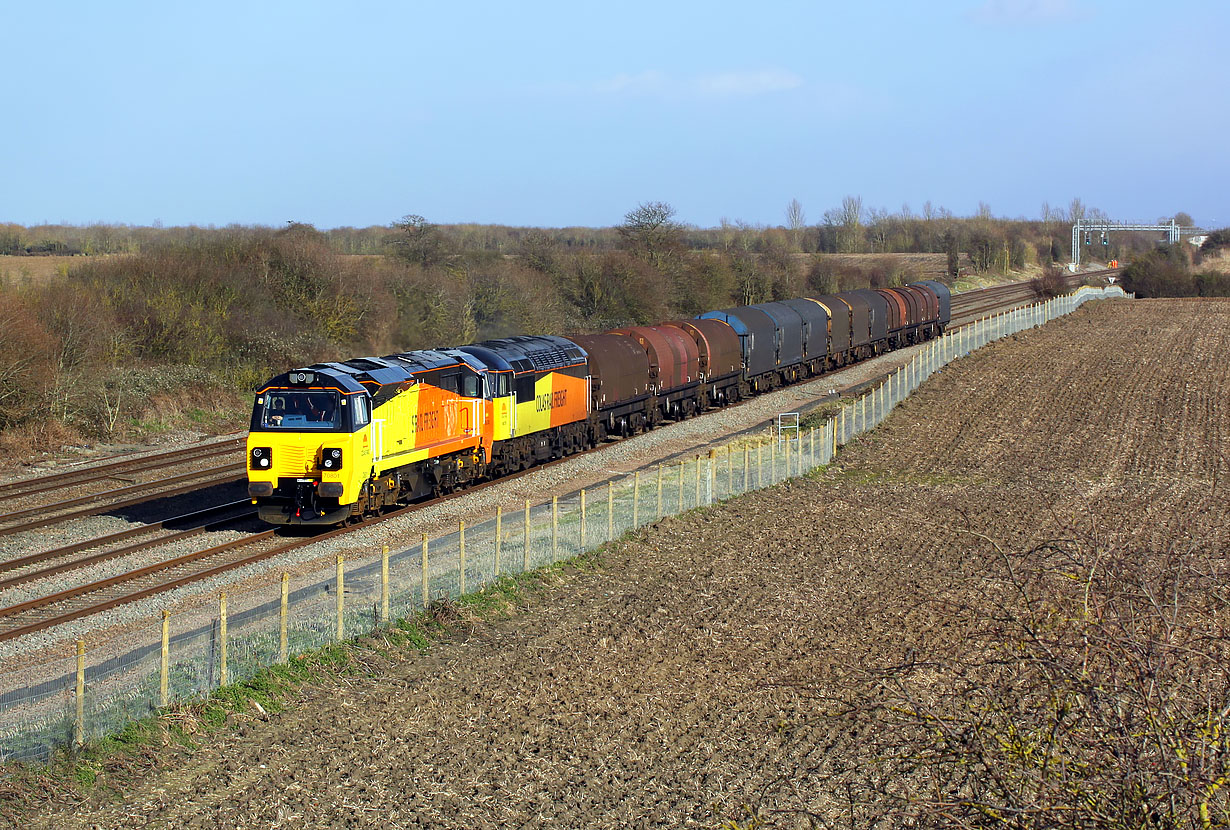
(1174, 233)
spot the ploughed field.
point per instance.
(703, 670)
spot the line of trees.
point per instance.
(188, 322)
(181, 322)
(990, 243)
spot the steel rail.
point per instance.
(118, 491)
(107, 605)
(162, 587)
(103, 556)
(129, 576)
(14, 489)
(227, 475)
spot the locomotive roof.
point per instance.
(530, 353)
(519, 354)
(326, 375)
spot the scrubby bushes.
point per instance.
(1052, 283)
(178, 325)
(1167, 272)
(97, 350)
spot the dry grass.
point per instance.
(27, 443)
(1218, 262)
(34, 270)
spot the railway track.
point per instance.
(211, 518)
(48, 611)
(969, 306)
(73, 603)
(54, 609)
(116, 499)
(114, 470)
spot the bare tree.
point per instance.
(419, 241)
(848, 220)
(796, 220)
(1179, 218)
(878, 222)
(1076, 211)
(1049, 215)
(651, 231)
(726, 233)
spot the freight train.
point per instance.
(334, 442)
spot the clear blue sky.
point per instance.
(571, 113)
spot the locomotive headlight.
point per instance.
(261, 458)
(332, 459)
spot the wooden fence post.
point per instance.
(222, 674)
(341, 601)
(555, 528)
(636, 499)
(659, 513)
(384, 584)
(610, 510)
(581, 546)
(164, 663)
(283, 609)
(426, 576)
(461, 546)
(79, 724)
(525, 563)
(499, 536)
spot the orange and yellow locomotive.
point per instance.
(334, 441)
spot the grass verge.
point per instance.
(104, 770)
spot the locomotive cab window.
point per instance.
(471, 385)
(359, 410)
(300, 410)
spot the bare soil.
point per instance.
(693, 676)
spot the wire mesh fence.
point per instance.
(57, 700)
